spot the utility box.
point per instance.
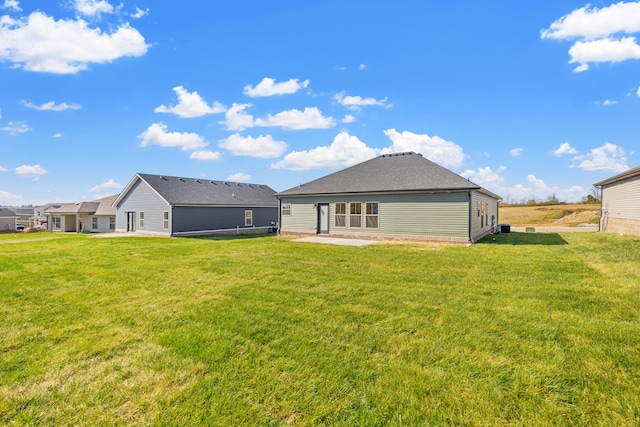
(504, 228)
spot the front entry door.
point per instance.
(323, 218)
(131, 221)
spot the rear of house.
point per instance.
(177, 206)
(620, 197)
(97, 216)
(395, 196)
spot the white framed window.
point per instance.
(355, 215)
(56, 223)
(371, 215)
(94, 223)
(248, 218)
(340, 209)
(112, 223)
(165, 220)
(141, 219)
(286, 209)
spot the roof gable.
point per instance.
(387, 173)
(193, 191)
(6, 213)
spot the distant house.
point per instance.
(39, 218)
(97, 216)
(8, 220)
(394, 196)
(620, 197)
(174, 206)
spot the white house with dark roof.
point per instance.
(620, 196)
(175, 206)
(97, 216)
(393, 196)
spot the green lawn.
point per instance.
(529, 329)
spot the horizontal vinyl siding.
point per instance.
(203, 218)
(622, 199)
(303, 218)
(441, 214)
(482, 226)
(142, 198)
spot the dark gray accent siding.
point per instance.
(203, 218)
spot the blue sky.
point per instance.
(526, 101)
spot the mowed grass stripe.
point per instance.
(526, 329)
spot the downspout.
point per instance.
(470, 216)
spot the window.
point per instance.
(486, 213)
(355, 215)
(141, 216)
(341, 214)
(94, 223)
(165, 220)
(248, 218)
(112, 223)
(56, 223)
(286, 209)
(371, 219)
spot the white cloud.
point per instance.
(51, 106)
(608, 102)
(157, 134)
(310, 118)
(3, 169)
(32, 171)
(57, 135)
(356, 102)
(565, 148)
(205, 155)
(264, 146)
(607, 157)
(593, 23)
(236, 118)
(595, 29)
(7, 198)
(15, 128)
(269, 87)
(362, 66)
(140, 13)
(239, 177)
(516, 152)
(93, 7)
(109, 184)
(42, 44)
(638, 92)
(190, 105)
(344, 151)
(485, 177)
(603, 50)
(436, 149)
(12, 5)
(348, 119)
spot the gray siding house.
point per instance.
(175, 206)
(8, 220)
(394, 196)
(620, 197)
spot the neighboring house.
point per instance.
(39, 218)
(174, 206)
(394, 196)
(8, 220)
(98, 216)
(620, 196)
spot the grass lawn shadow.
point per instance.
(524, 239)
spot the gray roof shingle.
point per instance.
(7, 213)
(194, 191)
(387, 173)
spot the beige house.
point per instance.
(620, 197)
(97, 216)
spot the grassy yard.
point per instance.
(529, 329)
